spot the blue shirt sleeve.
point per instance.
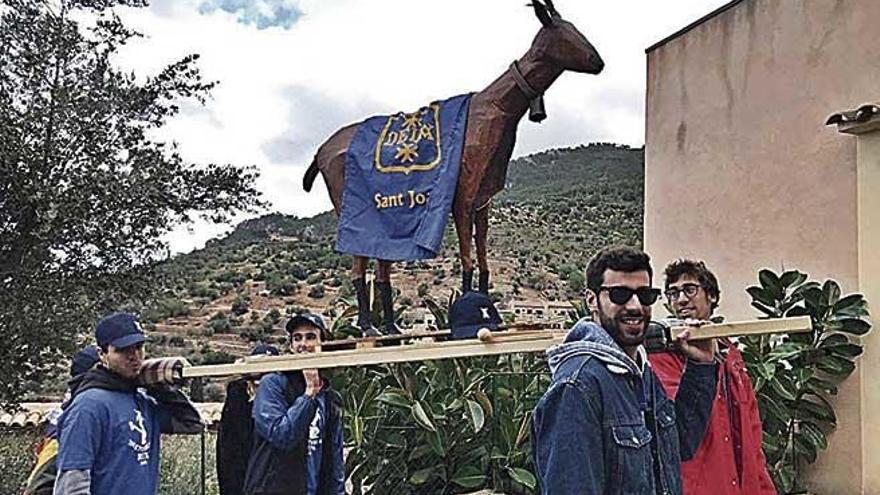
(693, 405)
(83, 427)
(567, 442)
(338, 473)
(282, 426)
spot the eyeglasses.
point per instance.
(299, 337)
(622, 295)
(689, 290)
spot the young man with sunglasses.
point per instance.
(729, 461)
(605, 425)
(297, 446)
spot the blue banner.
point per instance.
(400, 177)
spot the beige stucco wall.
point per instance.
(740, 170)
(869, 285)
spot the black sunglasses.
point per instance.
(621, 295)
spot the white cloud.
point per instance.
(286, 86)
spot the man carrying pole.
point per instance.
(297, 446)
(605, 425)
(729, 461)
(109, 435)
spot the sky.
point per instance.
(291, 72)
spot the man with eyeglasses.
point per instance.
(729, 461)
(605, 425)
(297, 446)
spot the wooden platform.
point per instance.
(424, 346)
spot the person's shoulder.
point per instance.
(273, 382)
(585, 373)
(94, 397)
(88, 405)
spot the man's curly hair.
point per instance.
(696, 269)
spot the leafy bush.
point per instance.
(316, 291)
(443, 426)
(794, 375)
(240, 306)
(16, 457)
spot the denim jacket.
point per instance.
(605, 426)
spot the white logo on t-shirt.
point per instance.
(485, 313)
(142, 448)
(315, 432)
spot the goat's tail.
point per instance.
(309, 178)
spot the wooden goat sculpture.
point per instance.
(493, 116)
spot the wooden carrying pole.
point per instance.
(491, 344)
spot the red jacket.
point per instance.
(730, 460)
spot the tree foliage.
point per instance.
(86, 190)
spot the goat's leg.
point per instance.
(386, 295)
(365, 313)
(481, 231)
(464, 229)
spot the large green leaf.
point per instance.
(821, 386)
(395, 398)
(762, 295)
(767, 310)
(436, 443)
(837, 366)
(771, 284)
(818, 410)
(804, 446)
(357, 430)
(421, 476)
(476, 415)
(851, 305)
(469, 477)
(831, 291)
(792, 278)
(787, 351)
(523, 477)
(815, 434)
(844, 350)
(421, 416)
(783, 387)
(855, 326)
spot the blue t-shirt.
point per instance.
(115, 435)
(313, 448)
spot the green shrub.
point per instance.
(240, 306)
(794, 375)
(16, 457)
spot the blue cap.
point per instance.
(471, 312)
(261, 349)
(310, 319)
(83, 361)
(119, 330)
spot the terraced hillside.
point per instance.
(560, 207)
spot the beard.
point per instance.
(622, 331)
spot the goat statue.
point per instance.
(492, 119)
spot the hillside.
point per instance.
(560, 207)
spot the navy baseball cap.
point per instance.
(471, 312)
(308, 319)
(265, 349)
(83, 361)
(119, 330)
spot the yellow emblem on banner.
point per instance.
(410, 142)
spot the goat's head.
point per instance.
(561, 42)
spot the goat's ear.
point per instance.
(551, 9)
(542, 13)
